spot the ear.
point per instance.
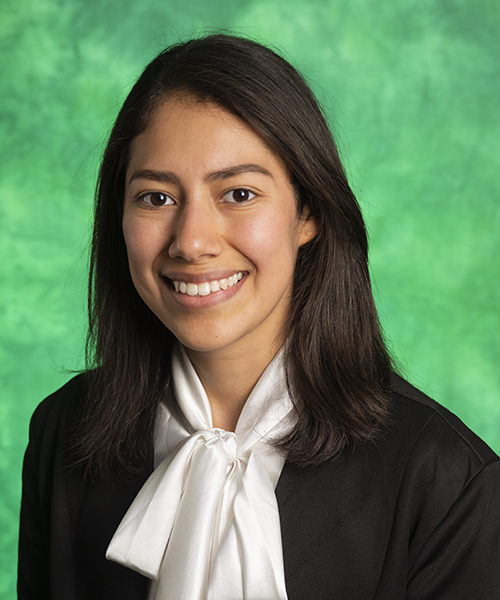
(308, 228)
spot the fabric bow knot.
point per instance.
(205, 525)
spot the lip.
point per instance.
(197, 302)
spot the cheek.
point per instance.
(143, 245)
(270, 243)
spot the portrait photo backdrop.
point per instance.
(411, 90)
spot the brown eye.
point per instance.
(157, 199)
(239, 195)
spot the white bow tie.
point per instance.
(205, 525)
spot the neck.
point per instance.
(229, 377)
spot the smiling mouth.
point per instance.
(207, 287)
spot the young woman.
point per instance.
(239, 433)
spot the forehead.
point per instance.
(186, 130)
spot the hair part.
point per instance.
(337, 365)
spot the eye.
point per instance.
(156, 199)
(239, 195)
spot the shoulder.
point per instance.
(446, 498)
(437, 461)
(51, 428)
(59, 413)
(422, 424)
(409, 506)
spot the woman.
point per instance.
(240, 434)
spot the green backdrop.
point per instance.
(412, 88)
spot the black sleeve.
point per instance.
(460, 560)
(33, 561)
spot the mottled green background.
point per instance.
(413, 90)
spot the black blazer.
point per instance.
(415, 516)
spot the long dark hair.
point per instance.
(337, 365)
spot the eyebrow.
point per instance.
(237, 170)
(169, 177)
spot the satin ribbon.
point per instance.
(205, 525)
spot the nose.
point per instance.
(196, 232)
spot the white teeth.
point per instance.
(204, 289)
(207, 287)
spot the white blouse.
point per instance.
(205, 525)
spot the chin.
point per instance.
(204, 339)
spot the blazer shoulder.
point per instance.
(59, 411)
(430, 421)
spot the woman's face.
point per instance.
(211, 228)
